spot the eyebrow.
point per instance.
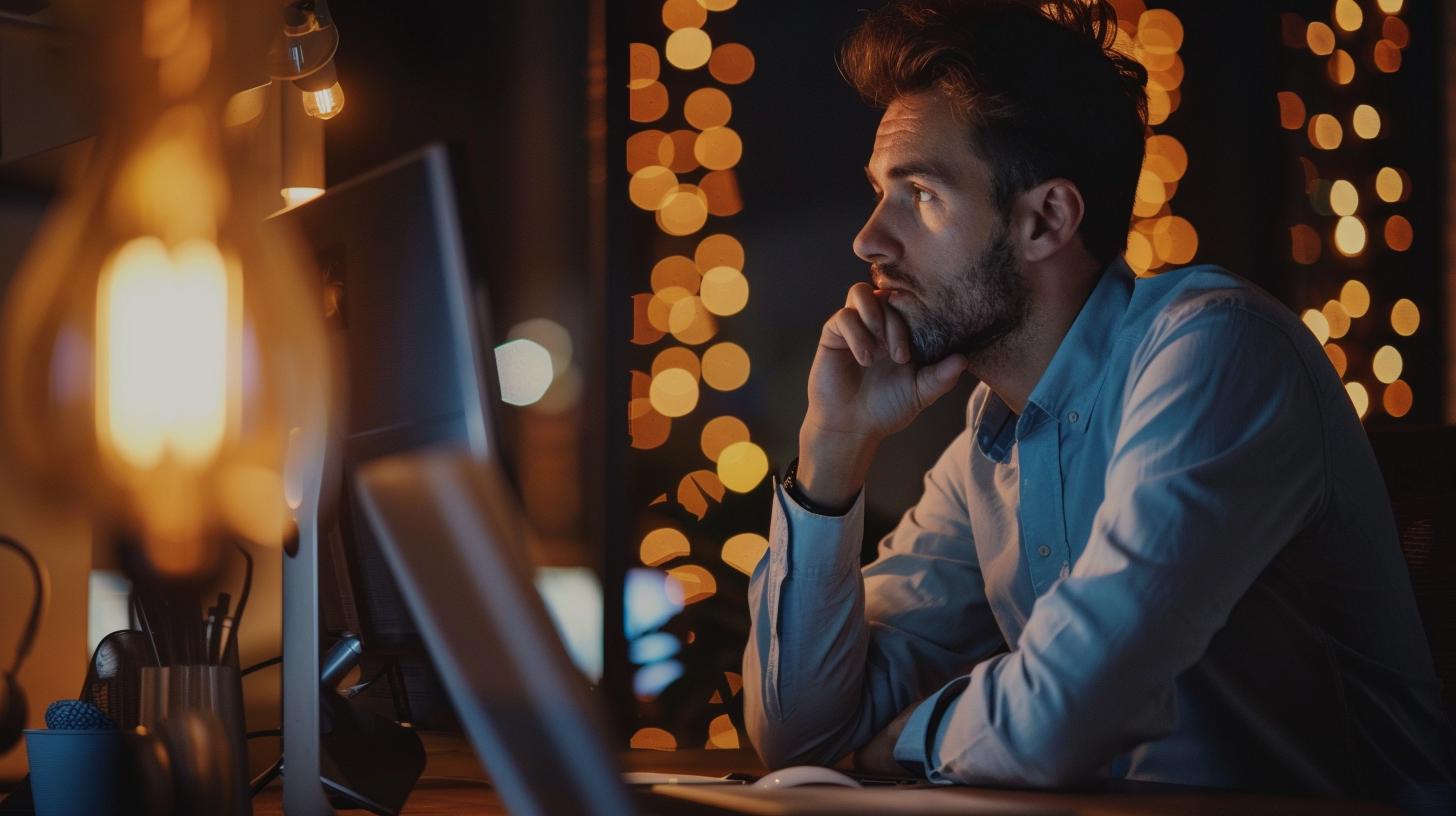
(930, 170)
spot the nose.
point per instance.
(876, 241)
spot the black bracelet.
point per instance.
(790, 485)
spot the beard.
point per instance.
(968, 312)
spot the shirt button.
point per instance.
(1043, 551)
(1072, 417)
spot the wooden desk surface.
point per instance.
(452, 785)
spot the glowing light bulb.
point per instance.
(324, 104)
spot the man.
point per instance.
(1161, 549)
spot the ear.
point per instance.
(1047, 218)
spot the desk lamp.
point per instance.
(163, 356)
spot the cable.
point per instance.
(41, 583)
(272, 661)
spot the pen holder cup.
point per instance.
(74, 771)
(168, 692)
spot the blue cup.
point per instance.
(75, 773)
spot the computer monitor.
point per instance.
(409, 335)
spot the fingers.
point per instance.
(862, 299)
(846, 329)
(934, 381)
(897, 333)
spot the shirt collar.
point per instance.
(1068, 389)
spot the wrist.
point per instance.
(832, 467)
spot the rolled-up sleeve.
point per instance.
(835, 653)
(1217, 464)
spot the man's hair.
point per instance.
(1039, 84)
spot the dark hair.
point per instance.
(1040, 85)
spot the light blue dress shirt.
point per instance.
(1178, 564)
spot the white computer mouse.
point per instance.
(804, 775)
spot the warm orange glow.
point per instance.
(1405, 318)
(678, 271)
(718, 5)
(1350, 236)
(683, 14)
(1175, 240)
(1304, 244)
(697, 489)
(648, 428)
(722, 734)
(1398, 398)
(643, 332)
(325, 104)
(719, 433)
(1168, 77)
(1336, 318)
(676, 357)
(644, 150)
(724, 291)
(1398, 233)
(674, 393)
(720, 249)
(692, 323)
(1150, 190)
(706, 108)
(1159, 31)
(1390, 6)
(725, 366)
(659, 309)
(1341, 67)
(1344, 199)
(741, 466)
(1390, 185)
(167, 327)
(684, 211)
(1170, 149)
(1395, 30)
(643, 65)
(718, 148)
(688, 48)
(721, 188)
(1355, 297)
(1160, 105)
(1320, 37)
(1387, 364)
(650, 187)
(1315, 321)
(1359, 397)
(663, 545)
(294, 196)
(731, 63)
(653, 739)
(692, 583)
(1325, 132)
(1365, 122)
(1387, 56)
(647, 103)
(1337, 358)
(1139, 253)
(677, 151)
(1348, 15)
(743, 551)
(1291, 110)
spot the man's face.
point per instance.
(936, 238)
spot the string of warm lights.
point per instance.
(1334, 205)
(684, 176)
(1159, 239)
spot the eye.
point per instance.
(922, 196)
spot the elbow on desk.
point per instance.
(780, 744)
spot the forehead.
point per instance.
(923, 130)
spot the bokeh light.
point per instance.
(650, 186)
(643, 332)
(1387, 364)
(694, 583)
(525, 371)
(1320, 38)
(1341, 67)
(1315, 321)
(663, 545)
(1390, 185)
(1398, 398)
(674, 392)
(1395, 30)
(677, 151)
(743, 551)
(698, 490)
(1325, 132)
(719, 433)
(659, 309)
(706, 108)
(678, 14)
(646, 426)
(690, 322)
(718, 148)
(719, 250)
(731, 63)
(1355, 297)
(1390, 6)
(1304, 243)
(1159, 32)
(741, 466)
(1350, 236)
(725, 366)
(1386, 56)
(1291, 110)
(1344, 199)
(1365, 122)
(1398, 234)
(688, 48)
(724, 291)
(1348, 15)
(676, 357)
(1359, 397)
(676, 271)
(1337, 358)
(652, 739)
(721, 188)
(1336, 318)
(1175, 240)
(684, 210)
(643, 65)
(717, 5)
(722, 735)
(1405, 318)
(645, 148)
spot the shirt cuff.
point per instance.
(818, 544)
(919, 744)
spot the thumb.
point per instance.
(933, 381)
